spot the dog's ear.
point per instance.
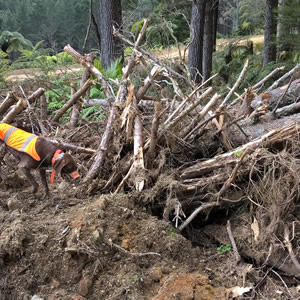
(59, 164)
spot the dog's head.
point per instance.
(66, 167)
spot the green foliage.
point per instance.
(93, 113)
(115, 70)
(13, 41)
(64, 58)
(96, 93)
(136, 27)
(4, 64)
(290, 21)
(229, 63)
(171, 232)
(224, 248)
(128, 51)
(169, 20)
(56, 98)
(238, 153)
(242, 17)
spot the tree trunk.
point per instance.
(279, 31)
(208, 40)
(215, 22)
(270, 31)
(196, 38)
(110, 16)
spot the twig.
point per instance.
(285, 285)
(151, 57)
(188, 98)
(229, 181)
(231, 123)
(236, 85)
(196, 212)
(283, 95)
(258, 84)
(290, 248)
(233, 244)
(284, 77)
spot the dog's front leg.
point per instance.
(44, 182)
(29, 176)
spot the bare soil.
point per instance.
(76, 246)
(101, 247)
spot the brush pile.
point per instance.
(198, 159)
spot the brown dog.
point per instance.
(35, 152)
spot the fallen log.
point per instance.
(231, 158)
(272, 97)
(15, 110)
(285, 77)
(8, 102)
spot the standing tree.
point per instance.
(270, 31)
(196, 40)
(215, 21)
(110, 16)
(208, 39)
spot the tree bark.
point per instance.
(215, 22)
(279, 31)
(110, 16)
(196, 40)
(208, 40)
(270, 31)
(8, 102)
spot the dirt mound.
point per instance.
(99, 248)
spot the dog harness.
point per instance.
(59, 154)
(19, 139)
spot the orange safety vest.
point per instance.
(19, 139)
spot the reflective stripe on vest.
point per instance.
(19, 139)
(8, 134)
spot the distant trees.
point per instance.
(55, 22)
(290, 25)
(110, 15)
(241, 17)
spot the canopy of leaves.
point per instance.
(13, 41)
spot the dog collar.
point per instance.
(59, 154)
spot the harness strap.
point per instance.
(59, 154)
